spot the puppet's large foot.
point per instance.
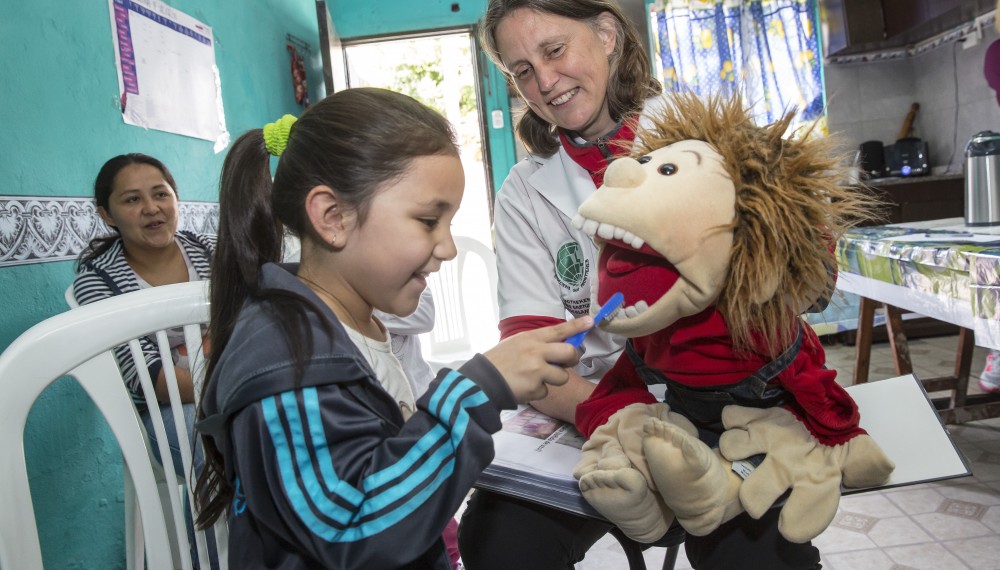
(694, 481)
(622, 495)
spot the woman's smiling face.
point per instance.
(560, 66)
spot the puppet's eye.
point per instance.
(644, 159)
(667, 169)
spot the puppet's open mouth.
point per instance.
(629, 265)
(642, 276)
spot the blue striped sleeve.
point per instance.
(334, 509)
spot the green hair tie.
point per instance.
(276, 134)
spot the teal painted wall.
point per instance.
(61, 122)
(366, 19)
(358, 20)
(58, 104)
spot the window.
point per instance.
(768, 48)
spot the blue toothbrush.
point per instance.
(613, 303)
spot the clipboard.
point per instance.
(896, 412)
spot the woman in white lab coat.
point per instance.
(580, 67)
(585, 77)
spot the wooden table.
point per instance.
(940, 269)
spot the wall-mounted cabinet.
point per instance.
(858, 26)
(920, 198)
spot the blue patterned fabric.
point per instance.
(770, 47)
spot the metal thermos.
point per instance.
(982, 179)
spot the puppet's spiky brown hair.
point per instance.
(793, 202)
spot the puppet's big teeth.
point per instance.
(607, 231)
(589, 227)
(633, 240)
(586, 225)
(636, 309)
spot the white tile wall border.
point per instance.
(40, 229)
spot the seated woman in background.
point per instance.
(136, 196)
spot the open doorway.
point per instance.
(440, 71)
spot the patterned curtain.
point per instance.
(768, 47)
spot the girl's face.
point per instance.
(406, 235)
(143, 207)
(560, 67)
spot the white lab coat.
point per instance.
(532, 223)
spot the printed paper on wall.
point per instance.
(167, 77)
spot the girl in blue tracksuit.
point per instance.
(315, 447)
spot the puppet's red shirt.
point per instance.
(697, 351)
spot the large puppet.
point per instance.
(719, 234)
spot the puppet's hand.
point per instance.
(614, 476)
(796, 461)
(865, 464)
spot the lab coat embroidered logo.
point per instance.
(571, 268)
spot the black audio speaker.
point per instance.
(873, 159)
(908, 157)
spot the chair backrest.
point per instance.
(70, 297)
(79, 344)
(453, 288)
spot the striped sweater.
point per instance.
(109, 274)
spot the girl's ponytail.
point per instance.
(249, 233)
(249, 236)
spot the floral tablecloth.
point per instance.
(940, 268)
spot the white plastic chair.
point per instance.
(134, 551)
(70, 297)
(79, 344)
(462, 290)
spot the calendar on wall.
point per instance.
(167, 77)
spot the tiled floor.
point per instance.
(940, 526)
